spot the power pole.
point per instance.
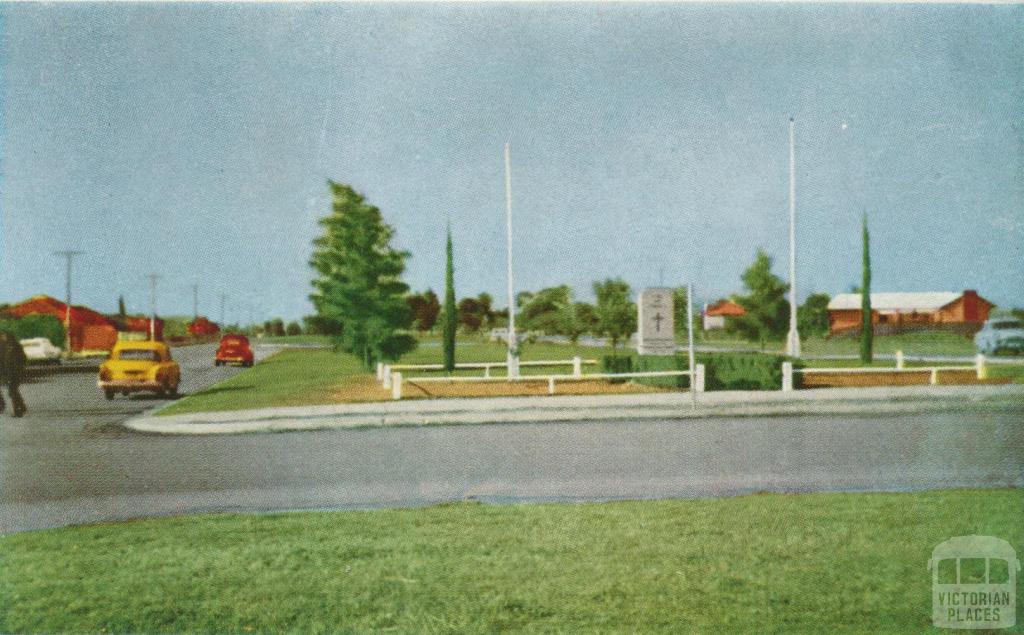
(793, 339)
(689, 336)
(152, 305)
(223, 299)
(68, 257)
(513, 348)
(195, 301)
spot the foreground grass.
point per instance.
(764, 563)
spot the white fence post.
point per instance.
(487, 371)
(899, 360)
(380, 371)
(396, 385)
(387, 376)
(934, 379)
(551, 385)
(787, 376)
(577, 366)
(698, 378)
(979, 364)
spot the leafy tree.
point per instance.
(274, 327)
(319, 325)
(293, 328)
(450, 315)
(470, 315)
(486, 303)
(812, 317)
(545, 310)
(867, 332)
(1018, 313)
(578, 318)
(359, 281)
(425, 309)
(766, 306)
(616, 314)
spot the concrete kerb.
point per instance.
(579, 408)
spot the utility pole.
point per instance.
(195, 301)
(513, 347)
(152, 305)
(68, 257)
(223, 299)
(793, 339)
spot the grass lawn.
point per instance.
(813, 563)
(924, 343)
(322, 376)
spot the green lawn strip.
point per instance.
(921, 343)
(289, 378)
(764, 563)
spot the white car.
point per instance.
(39, 349)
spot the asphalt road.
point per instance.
(70, 462)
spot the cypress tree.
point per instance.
(866, 328)
(451, 316)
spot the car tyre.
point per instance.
(109, 394)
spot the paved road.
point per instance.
(70, 462)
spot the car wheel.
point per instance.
(174, 391)
(109, 394)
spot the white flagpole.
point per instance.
(793, 339)
(513, 349)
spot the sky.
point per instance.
(649, 141)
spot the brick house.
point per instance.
(90, 331)
(962, 312)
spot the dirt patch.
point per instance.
(368, 389)
(911, 378)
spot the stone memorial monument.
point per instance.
(655, 324)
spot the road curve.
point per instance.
(72, 464)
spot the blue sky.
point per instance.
(648, 141)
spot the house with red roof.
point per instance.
(89, 331)
(715, 315)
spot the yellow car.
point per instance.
(139, 366)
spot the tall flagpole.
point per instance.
(793, 338)
(513, 349)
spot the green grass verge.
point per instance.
(922, 343)
(813, 563)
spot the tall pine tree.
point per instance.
(867, 332)
(359, 283)
(450, 313)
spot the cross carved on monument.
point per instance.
(657, 322)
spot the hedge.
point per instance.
(722, 371)
(35, 325)
(617, 364)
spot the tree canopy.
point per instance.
(616, 314)
(359, 284)
(765, 303)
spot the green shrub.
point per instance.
(35, 325)
(617, 364)
(651, 363)
(743, 371)
(293, 328)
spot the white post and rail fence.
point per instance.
(391, 377)
(980, 368)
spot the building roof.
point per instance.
(902, 302)
(726, 308)
(51, 306)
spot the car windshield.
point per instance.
(139, 354)
(233, 341)
(1008, 324)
